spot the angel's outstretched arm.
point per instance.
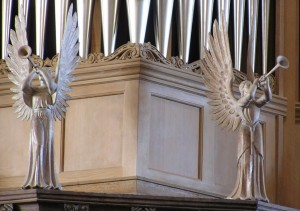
(267, 96)
(245, 99)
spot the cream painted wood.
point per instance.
(139, 119)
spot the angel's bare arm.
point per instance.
(267, 96)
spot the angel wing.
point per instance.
(218, 78)
(19, 67)
(67, 62)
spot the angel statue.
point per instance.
(42, 101)
(231, 112)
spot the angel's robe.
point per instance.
(41, 171)
(250, 183)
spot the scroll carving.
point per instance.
(6, 207)
(76, 207)
(142, 209)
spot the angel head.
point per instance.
(244, 87)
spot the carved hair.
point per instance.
(242, 85)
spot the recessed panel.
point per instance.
(93, 133)
(175, 137)
(14, 144)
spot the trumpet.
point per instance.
(24, 52)
(282, 62)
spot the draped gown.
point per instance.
(41, 171)
(250, 167)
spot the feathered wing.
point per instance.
(19, 67)
(218, 78)
(67, 62)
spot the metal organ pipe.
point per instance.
(109, 18)
(239, 11)
(252, 28)
(6, 17)
(265, 33)
(25, 4)
(137, 11)
(162, 24)
(186, 13)
(205, 8)
(224, 6)
(40, 22)
(84, 24)
(61, 9)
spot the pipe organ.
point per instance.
(185, 22)
(132, 108)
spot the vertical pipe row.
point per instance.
(138, 11)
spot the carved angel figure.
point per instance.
(42, 101)
(230, 113)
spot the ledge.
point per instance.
(39, 200)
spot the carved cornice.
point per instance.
(131, 51)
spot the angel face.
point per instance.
(244, 87)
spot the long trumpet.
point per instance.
(282, 62)
(24, 52)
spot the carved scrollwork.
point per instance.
(132, 51)
(142, 209)
(76, 207)
(6, 207)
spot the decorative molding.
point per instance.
(142, 209)
(6, 207)
(297, 113)
(76, 207)
(130, 51)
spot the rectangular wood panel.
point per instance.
(175, 137)
(93, 133)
